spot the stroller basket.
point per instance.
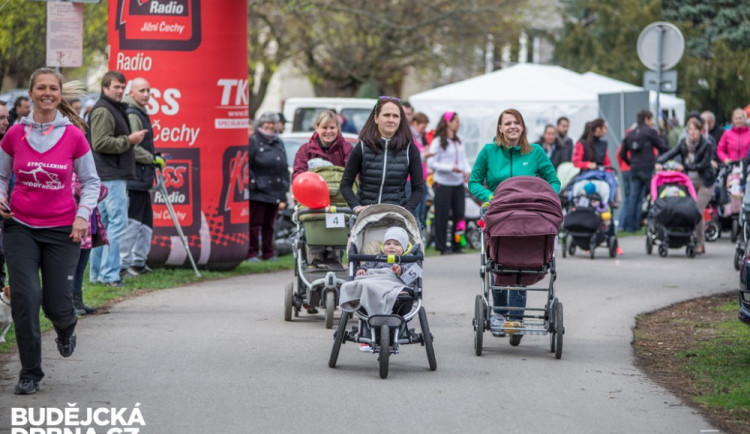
(317, 232)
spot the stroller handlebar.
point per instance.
(398, 259)
(326, 210)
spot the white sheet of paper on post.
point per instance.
(411, 274)
(335, 220)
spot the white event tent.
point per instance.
(542, 93)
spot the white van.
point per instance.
(300, 113)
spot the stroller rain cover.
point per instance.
(524, 210)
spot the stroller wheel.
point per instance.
(713, 232)
(288, 296)
(385, 350)
(690, 251)
(663, 251)
(564, 245)
(330, 308)
(479, 318)
(612, 246)
(559, 330)
(738, 258)
(572, 249)
(649, 244)
(427, 339)
(735, 230)
(338, 338)
(515, 340)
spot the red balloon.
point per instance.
(311, 190)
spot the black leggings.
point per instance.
(28, 251)
(449, 201)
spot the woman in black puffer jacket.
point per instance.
(384, 159)
(695, 154)
(269, 184)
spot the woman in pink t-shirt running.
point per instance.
(43, 224)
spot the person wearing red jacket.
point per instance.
(735, 142)
(326, 147)
(326, 143)
(591, 150)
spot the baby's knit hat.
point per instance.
(398, 234)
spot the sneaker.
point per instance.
(253, 259)
(66, 345)
(365, 348)
(497, 321)
(511, 327)
(619, 251)
(128, 273)
(115, 284)
(26, 386)
(142, 270)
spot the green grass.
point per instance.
(721, 364)
(99, 295)
(641, 232)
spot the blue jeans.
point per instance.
(105, 260)
(511, 299)
(421, 211)
(640, 183)
(625, 193)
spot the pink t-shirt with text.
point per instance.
(42, 194)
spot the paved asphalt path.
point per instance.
(217, 357)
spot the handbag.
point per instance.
(98, 231)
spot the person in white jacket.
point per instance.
(451, 171)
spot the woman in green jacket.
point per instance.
(509, 155)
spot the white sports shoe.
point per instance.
(497, 322)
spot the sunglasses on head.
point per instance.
(387, 99)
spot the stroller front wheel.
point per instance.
(385, 350)
(330, 308)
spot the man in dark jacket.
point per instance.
(713, 129)
(638, 151)
(21, 108)
(136, 243)
(563, 143)
(112, 145)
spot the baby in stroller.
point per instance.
(385, 292)
(380, 287)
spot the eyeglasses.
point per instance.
(387, 99)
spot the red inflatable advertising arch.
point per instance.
(194, 55)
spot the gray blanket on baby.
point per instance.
(376, 292)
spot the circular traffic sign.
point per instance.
(673, 46)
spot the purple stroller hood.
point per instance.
(523, 206)
(670, 177)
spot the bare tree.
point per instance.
(349, 43)
(273, 35)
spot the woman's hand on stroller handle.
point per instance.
(669, 165)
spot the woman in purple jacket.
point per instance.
(326, 143)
